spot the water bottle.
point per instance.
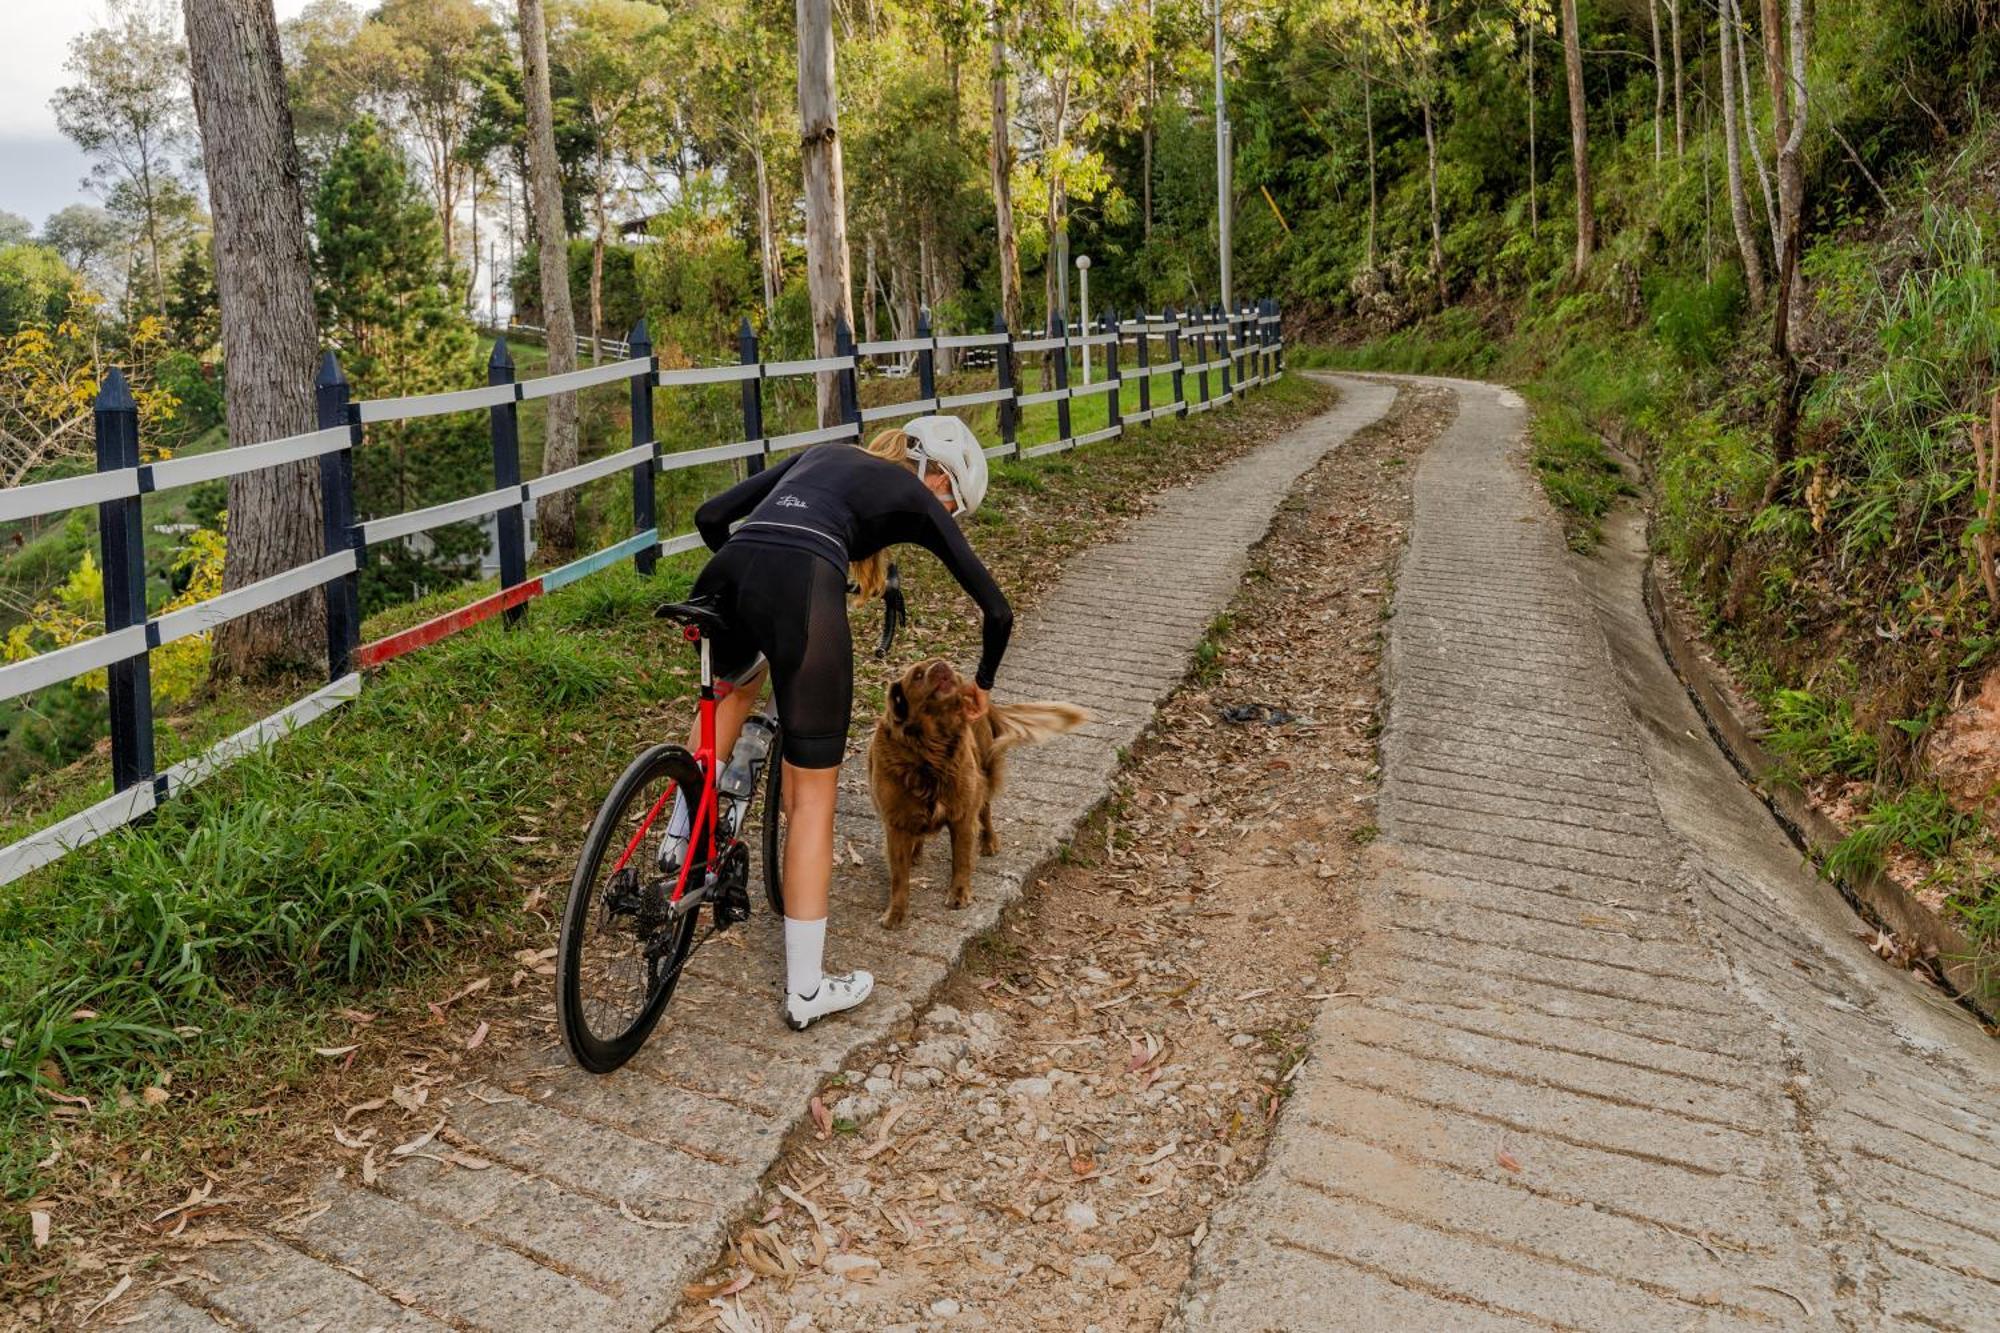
(746, 761)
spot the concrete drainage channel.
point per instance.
(1965, 971)
(596, 1199)
(1617, 1061)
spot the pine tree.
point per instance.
(388, 301)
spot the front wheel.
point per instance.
(621, 953)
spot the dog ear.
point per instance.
(899, 702)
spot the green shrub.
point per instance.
(1695, 319)
(1815, 736)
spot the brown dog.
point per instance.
(933, 765)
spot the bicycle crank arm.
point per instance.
(690, 900)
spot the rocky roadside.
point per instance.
(1042, 1149)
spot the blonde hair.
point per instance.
(871, 576)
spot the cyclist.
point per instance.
(780, 580)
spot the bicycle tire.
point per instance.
(774, 823)
(637, 787)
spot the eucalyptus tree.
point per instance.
(127, 107)
(270, 339)
(617, 54)
(556, 514)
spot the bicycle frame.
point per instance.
(702, 827)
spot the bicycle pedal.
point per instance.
(732, 906)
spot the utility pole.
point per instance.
(1222, 155)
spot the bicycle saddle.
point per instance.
(701, 614)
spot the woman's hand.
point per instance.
(976, 702)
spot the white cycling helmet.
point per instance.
(950, 444)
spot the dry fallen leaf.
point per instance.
(478, 1036)
(335, 1052)
(154, 1096)
(124, 1285)
(360, 1107)
(702, 1291)
(39, 1221)
(1507, 1160)
(421, 1141)
(822, 1118)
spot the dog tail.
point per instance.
(1033, 723)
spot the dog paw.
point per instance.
(960, 898)
(891, 919)
(989, 845)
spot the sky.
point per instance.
(40, 171)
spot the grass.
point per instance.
(205, 951)
(1580, 476)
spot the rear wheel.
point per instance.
(620, 954)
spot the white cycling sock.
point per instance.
(680, 821)
(805, 948)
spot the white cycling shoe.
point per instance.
(835, 993)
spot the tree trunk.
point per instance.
(1659, 84)
(1774, 70)
(1001, 161)
(1674, 37)
(555, 515)
(1739, 201)
(597, 283)
(1534, 207)
(826, 200)
(152, 210)
(1579, 138)
(1437, 228)
(767, 243)
(472, 270)
(1745, 101)
(1374, 205)
(1146, 133)
(868, 290)
(1791, 213)
(263, 282)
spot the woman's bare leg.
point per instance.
(809, 801)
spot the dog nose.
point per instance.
(941, 673)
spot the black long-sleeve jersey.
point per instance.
(844, 504)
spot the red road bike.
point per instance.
(631, 922)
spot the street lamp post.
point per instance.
(1083, 323)
(1222, 164)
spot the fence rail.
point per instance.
(1240, 350)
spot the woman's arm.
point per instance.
(943, 538)
(712, 520)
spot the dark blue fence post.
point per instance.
(926, 357)
(1225, 353)
(1060, 362)
(1201, 353)
(331, 396)
(1143, 347)
(753, 392)
(850, 375)
(122, 540)
(1003, 374)
(645, 513)
(1114, 415)
(1174, 360)
(1277, 338)
(509, 527)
